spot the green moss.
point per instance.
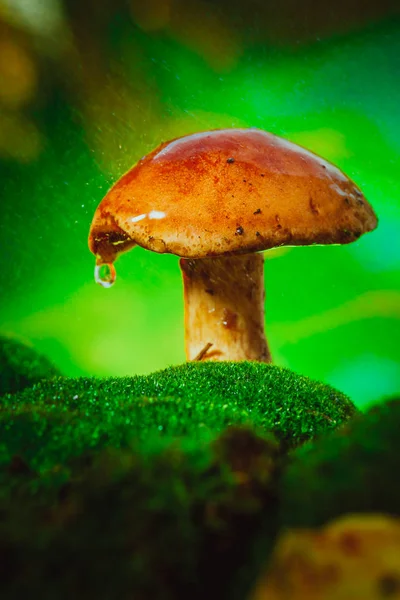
(61, 418)
(116, 524)
(354, 469)
(21, 365)
(164, 486)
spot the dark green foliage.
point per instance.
(119, 525)
(21, 366)
(164, 486)
(354, 469)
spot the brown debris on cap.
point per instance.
(229, 191)
(354, 557)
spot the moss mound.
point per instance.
(354, 469)
(162, 486)
(21, 365)
(57, 419)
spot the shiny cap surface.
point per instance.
(228, 191)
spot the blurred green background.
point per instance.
(87, 88)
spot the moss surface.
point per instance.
(162, 486)
(64, 417)
(354, 469)
(21, 365)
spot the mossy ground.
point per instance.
(21, 365)
(164, 486)
(353, 469)
(63, 417)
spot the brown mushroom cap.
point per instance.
(229, 191)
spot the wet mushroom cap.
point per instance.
(229, 192)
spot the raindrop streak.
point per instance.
(105, 274)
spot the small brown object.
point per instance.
(187, 198)
(354, 557)
(203, 352)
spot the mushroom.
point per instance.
(216, 199)
(356, 555)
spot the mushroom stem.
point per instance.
(224, 307)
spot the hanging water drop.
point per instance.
(105, 274)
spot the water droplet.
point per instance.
(105, 274)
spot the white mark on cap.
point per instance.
(138, 218)
(156, 214)
(153, 214)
